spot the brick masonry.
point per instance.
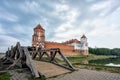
(38, 39)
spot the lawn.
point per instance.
(78, 59)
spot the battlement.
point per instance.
(69, 47)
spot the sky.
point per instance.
(62, 20)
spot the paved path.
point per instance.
(49, 69)
(84, 74)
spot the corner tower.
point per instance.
(38, 38)
(84, 45)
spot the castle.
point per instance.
(68, 48)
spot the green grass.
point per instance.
(78, 59)
(5, 76)
(98, 68)
(33, 78)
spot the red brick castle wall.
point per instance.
(65, 49)
(38, 39)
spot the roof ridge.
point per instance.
(39, 27)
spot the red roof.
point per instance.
(39, 27)
(71, 41)
(83, 36)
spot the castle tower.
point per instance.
(84, 45)
(38, 37)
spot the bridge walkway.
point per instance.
(49, 69)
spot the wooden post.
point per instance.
(66, 60)
(12, 52)
(30, 63)
(42, 53)
(53, 55)
(34, 55)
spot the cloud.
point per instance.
(35, 8)
(99, 30)
(2, 31)
(28, 6)
(62, 20)
(8, 17)
(101, 5)
(19, 33)
(105, 30)
(90, 0)
(69, 16)
(22, 29)
(104, 7)
(7, 41)
(66, 13)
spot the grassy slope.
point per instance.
(75, 60)
(78, 59)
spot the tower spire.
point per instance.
(83, 36)
(39, 27)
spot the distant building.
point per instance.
(70, 47)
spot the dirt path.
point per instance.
(84, 74)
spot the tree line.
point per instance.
(105, 51)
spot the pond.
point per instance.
(115, 61)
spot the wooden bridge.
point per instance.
(49, 69)
(34, 60)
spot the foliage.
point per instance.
(105, 61)
(5, 76)
(105, 51)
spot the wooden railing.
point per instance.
(18, 54)
(51, 55)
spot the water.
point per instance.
(106, 62)
(111, 64)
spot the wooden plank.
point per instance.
(30, 63)
(49, 69)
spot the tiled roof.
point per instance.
(39, 27)
(71, 41)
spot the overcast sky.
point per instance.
(99, 20)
